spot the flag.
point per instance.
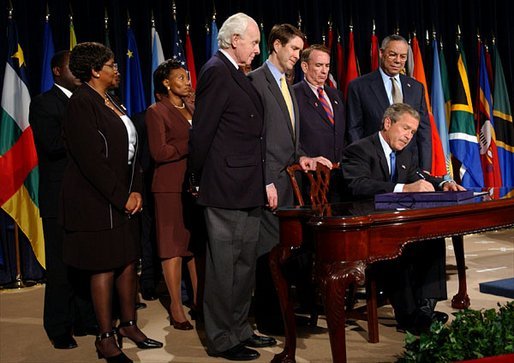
(214, 37)
(18, 159)
(73, 38)
(438, 160)
(47, 78)
(374, 52)
(438, 107)
(134, 93)
(177, 50)
(208, 52)
(340, 62)
(352, 65)
(332, 82)
(485, 127)
(263, 47)
(503, 123)
(445, 82)
(157, 58)
(190, 59)
(463, 138)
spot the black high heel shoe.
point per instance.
(147, 343)
(120, 358)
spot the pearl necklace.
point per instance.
(180, 107)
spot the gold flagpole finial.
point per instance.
(374, 28)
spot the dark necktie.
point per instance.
(392, 158)
(325, 105)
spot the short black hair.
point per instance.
(162, 72)
(59, 59)
(87, 56)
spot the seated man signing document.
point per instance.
(378, 164)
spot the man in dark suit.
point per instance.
(382, 163)
(322, 118)
(226, 156)
(282, 120)
(369, 96)
(66, 311)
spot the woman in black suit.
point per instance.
(101, 195)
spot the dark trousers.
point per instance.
(67, 297)
(230, 275)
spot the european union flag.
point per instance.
(47, 79)
(134, 93)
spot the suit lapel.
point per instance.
(407, 90)
(277, 94)
(381, 157)
(314, 102)
(243, 82)
(378, 89)
(173, 110)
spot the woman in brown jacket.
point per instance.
(101, 197)
(168, 122)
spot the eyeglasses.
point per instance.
(114, 66)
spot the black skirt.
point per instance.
(103, 250)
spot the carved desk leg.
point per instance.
(461, 300)
(334, 280)
(278, 255)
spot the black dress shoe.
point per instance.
(258, 341)
(149, 294)
(64, 341)
(239, 352)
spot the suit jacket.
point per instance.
(98, 179)
(282, 142)
(317, 135)
(367, 100)
(226, 145)
(46, 114)
(366, 173)
(168, 137)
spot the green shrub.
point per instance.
(472, 334)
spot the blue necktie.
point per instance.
(392, 158)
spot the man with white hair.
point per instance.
(226, 156)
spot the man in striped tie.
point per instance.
(322, 119)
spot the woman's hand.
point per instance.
(134, 203)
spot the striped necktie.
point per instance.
(325, 105)
(287, 98)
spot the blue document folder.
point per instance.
(411, 200)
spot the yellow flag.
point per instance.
(73, 38)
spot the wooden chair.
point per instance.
(319, 182)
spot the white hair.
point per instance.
(235, 24)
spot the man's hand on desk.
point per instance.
(420, 185)
(451, 186)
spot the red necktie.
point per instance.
(325, 105)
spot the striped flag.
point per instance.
(503, 122)
(18, 159)
(47, 78)
(485, 125)
(438, 107)
(438, 162)
(157, 58)
(463, 138)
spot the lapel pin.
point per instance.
(336, 102)
(316, 104)
(403, 167)
(408, 84)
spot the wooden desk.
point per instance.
(349, 236)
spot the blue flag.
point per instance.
(157, 58)
(177, 51)
(134, 93)
(214, 37)
(47, 79)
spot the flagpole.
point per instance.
(18, 282)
